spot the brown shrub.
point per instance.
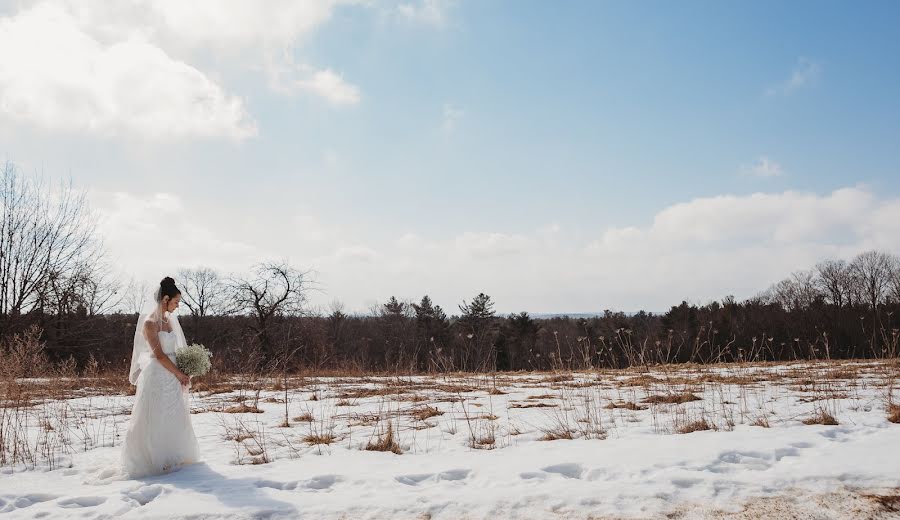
(821, 417)
(695, 426)
(425, 412)
(385, 442)
(894, 413)
(761, 421)
(557, 433)
(319, 438)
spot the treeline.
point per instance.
(59, 304)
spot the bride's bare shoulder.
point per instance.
(151, 323)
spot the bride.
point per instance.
(160, 436)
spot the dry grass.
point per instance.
(642, 380)
(385, 442)
(532, 405)
(889, 503)
(486, 441)
(717, 400)
(761, 421)
(362, 393)
(672, 398)
(557, 433)
(420, 414)
(893, 413)
(319, 438)
(695, 426)
(821, 417)
(242, 408)
(628, 405)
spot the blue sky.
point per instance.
(561, 156)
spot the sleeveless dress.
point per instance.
(160, 435)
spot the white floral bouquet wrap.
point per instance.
(193, 360)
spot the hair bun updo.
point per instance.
(168, 288)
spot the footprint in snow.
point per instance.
(568, 470)
(322, 482)
(283, 486)
(71, 503)
(413, 480)
(11, 503)
(454, 474)
(143, 495)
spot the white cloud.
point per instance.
(156, 234)
(57, 77)
(805, 72)
(432, 12)
(451, 117)
(330, 86)
(169, 43)
(236, 24)
(491, 245)
(763, 167)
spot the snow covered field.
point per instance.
(689, 442)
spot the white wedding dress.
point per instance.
(160, 436)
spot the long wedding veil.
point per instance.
(142, 354)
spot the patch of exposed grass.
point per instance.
(314, 439)
(242, 408)
(385, 442)
(626, 405)
(557, 433)
(887, 502)
(684, 397)
(821, 417)
(761, 421)
(695, 426)
(425, 412)
(484, 442)
(532, 405)
(893, 413)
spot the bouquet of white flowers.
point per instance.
(193, 360)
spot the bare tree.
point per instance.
(835, 279)
(874, 271)
(204, 291)
(798, 292)
(89, 290)
(273, 290)
(895, 278)
(46, 237)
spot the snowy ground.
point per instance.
(583, 445)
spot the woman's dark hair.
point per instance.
(168, 288)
